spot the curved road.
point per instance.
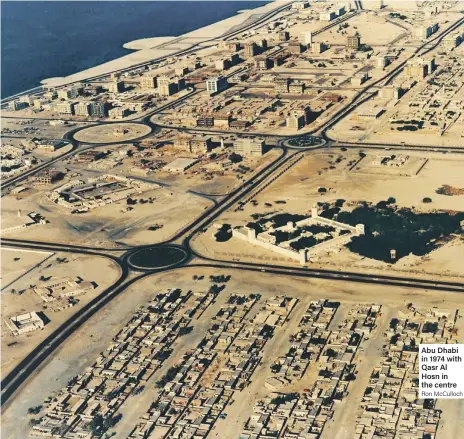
(12, 382)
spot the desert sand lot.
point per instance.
(110, 225)
(20, 270)
(409, 4)
(84, 345)
(374, 30)
(40, 127)
(117, 132)
(16, 264)
(299, 186)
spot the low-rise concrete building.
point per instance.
(296, 88)
(115, 86)
(180, 165)
(425, 31)
(24, 323)
(118, 112)
(453, 40)
(295, 47)
(63, 288)
(327, 16)
(305, 38)
(98, 109)
(49, 176)
(65, 108)
(353, 41)
(359, 78)
(251, 50)
(390, 92)
(419, 68)
(370, 112)
(16, 105)
(194, 144)
(319, 47)
(382, 61)
(69, 92)
(50, 145)
(263, 63)
(281, 85)
(166, 86)
(284, 36)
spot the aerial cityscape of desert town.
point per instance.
(243, 232)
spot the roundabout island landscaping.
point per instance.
(304, 142)
(157, 257)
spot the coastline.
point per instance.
(146, 43)
(151, 48)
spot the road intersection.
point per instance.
(124, 257)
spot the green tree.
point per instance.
(34, 410)
(235, 158)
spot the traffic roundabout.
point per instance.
(304, 142)
(159, 257)
(114, 132)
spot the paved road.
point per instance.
(20, 374)
(346, 276)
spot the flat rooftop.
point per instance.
(180, 164)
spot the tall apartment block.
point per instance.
(249, 146)
(148, 82)
(251, 50)
(216, 84)
(82, 109)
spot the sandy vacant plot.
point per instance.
(17, 298)
(110, 225)
(41, 127)
(372, 29)
(16, 264)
